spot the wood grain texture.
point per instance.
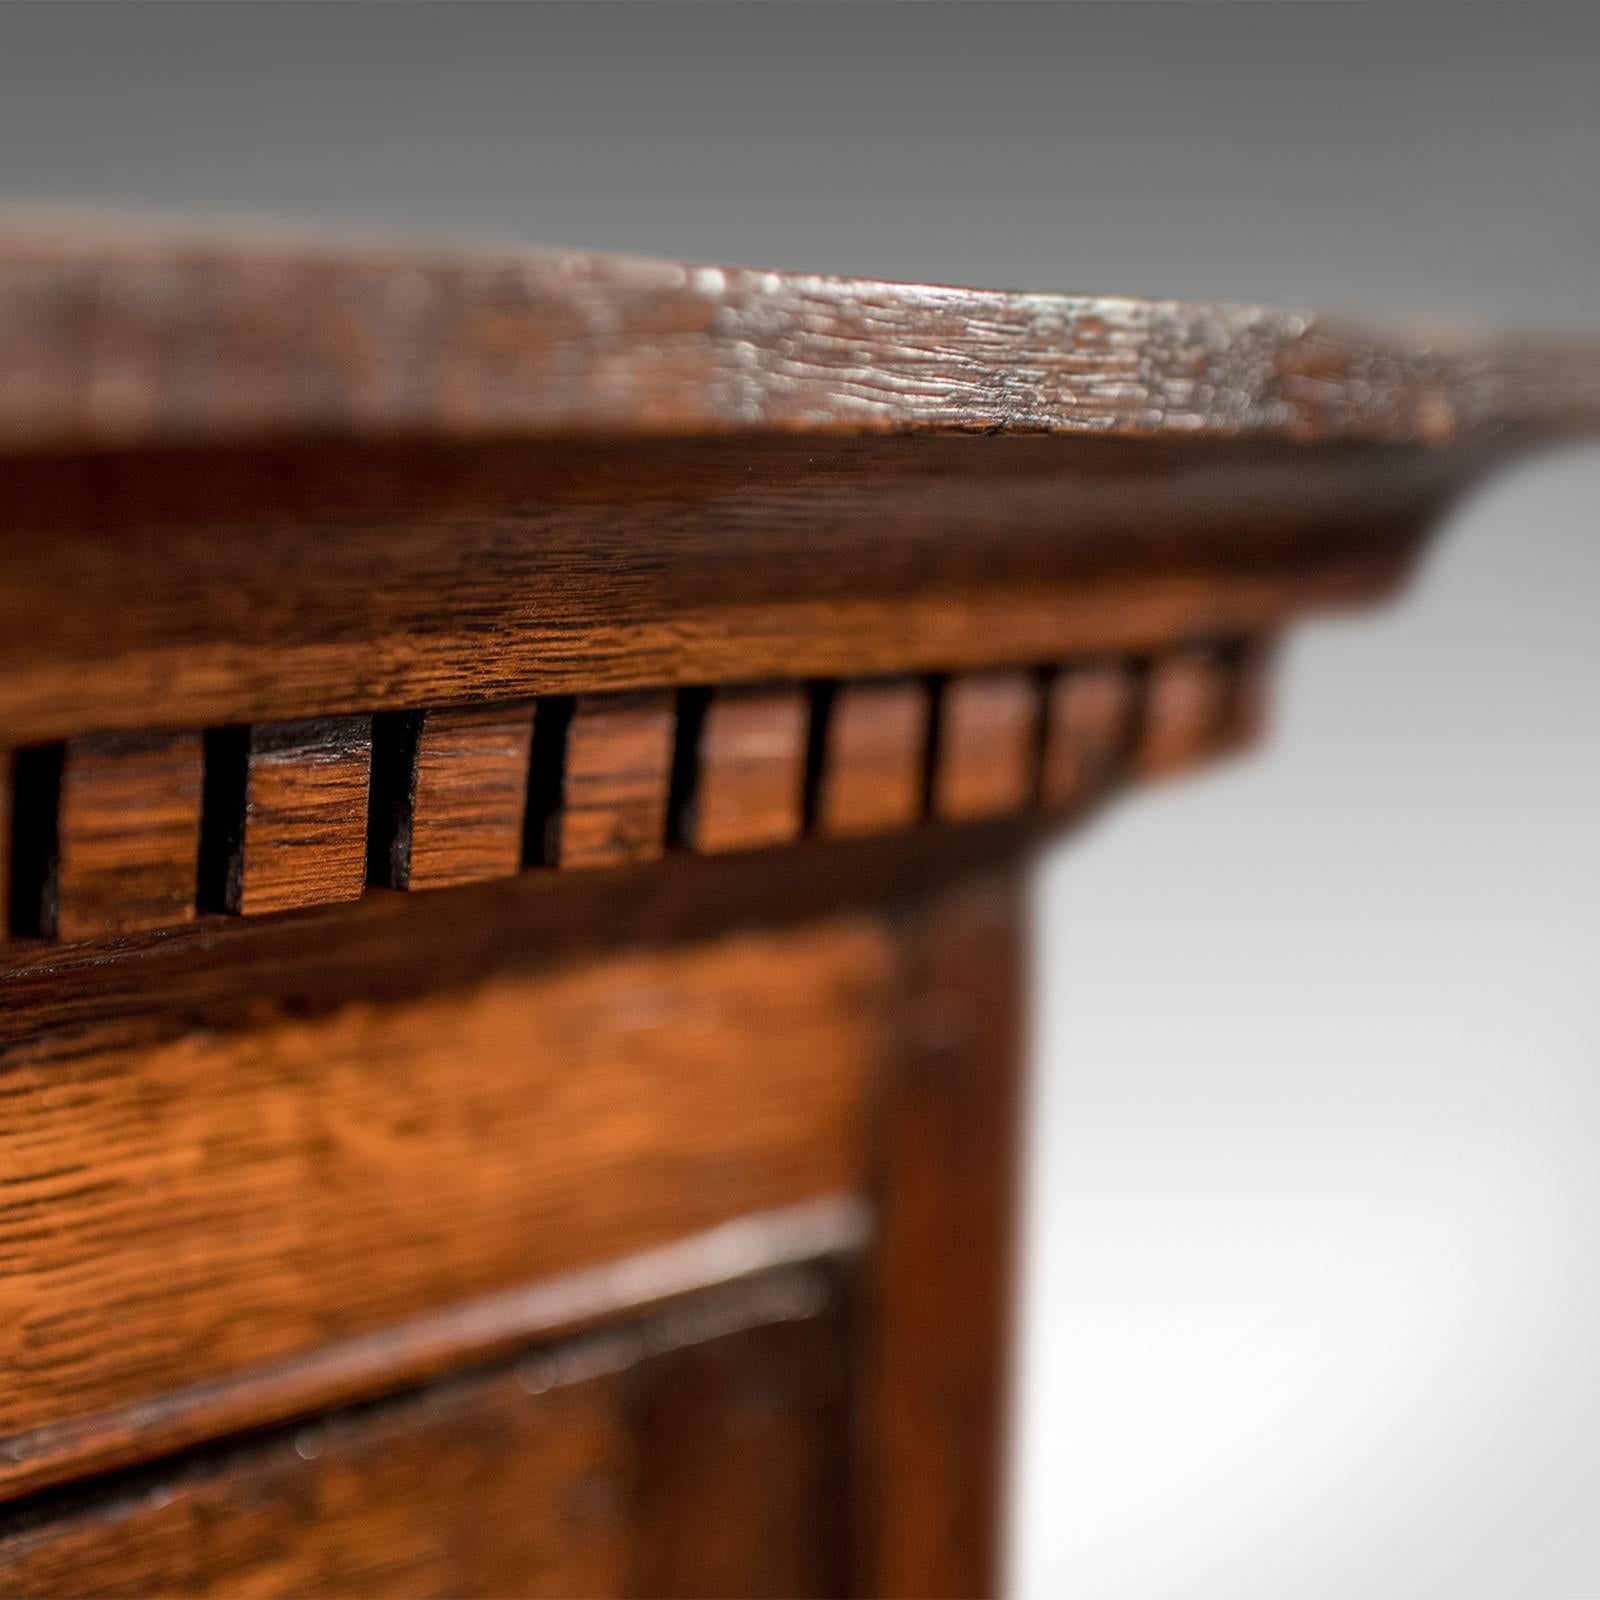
(987, 757)
(111, 337)
(873, 759)
(267, 492)
(1188, 695)
(465, 1332)
(201, 591)
(427, 940)
(1089, 731)
(620, 1464)
(462, 820)
(610, 475)
(197, 1191)
(304, 836)
(745, 1492)
(750, 788)
(475, 1489)
(470, 794)
(129, 833)
(937, 1326)
(616, 780)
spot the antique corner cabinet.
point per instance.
(517, 772)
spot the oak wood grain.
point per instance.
(745, 1488)
(236, 1194)
(302, 836)
(874, 752)
(692, 1453)
(465, 1332)
(388, 945)
(616, 780)
(266, 491)
(474, 1489)
(750, 786)
(459, 796)
(1188, 695)
(129, 833)
(1089, 731)
(471, 794)
(317, 581)
(987, 757)
(416, 339)
(936, 1326)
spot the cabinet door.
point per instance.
(700, 1451)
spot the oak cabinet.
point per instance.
(517, 778)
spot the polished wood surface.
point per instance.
(127, 834)
(615, 782)
(237, 1181)
(304, 814)
(1187, 701)
(299, 837)
(454, 795)
(1090, 724)
(938, 1336)
(876, 743)
(312, 580)
(750, 776)
(517, 779)
(695, 1454)
(190, 336)
(986, 750)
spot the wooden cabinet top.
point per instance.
(122, 337)
(298, 535)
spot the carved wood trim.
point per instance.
(294, 815)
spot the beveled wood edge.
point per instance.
(389, 1359)
(117, 335)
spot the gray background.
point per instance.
(1312, 1301)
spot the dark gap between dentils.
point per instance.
(222, 805)
(1044, 679)
(547, 761)
(391, 797)
(1137, 723)
(1238, 667)
(684, 790)
(35, 840)
(821, 695)
(933, 738)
